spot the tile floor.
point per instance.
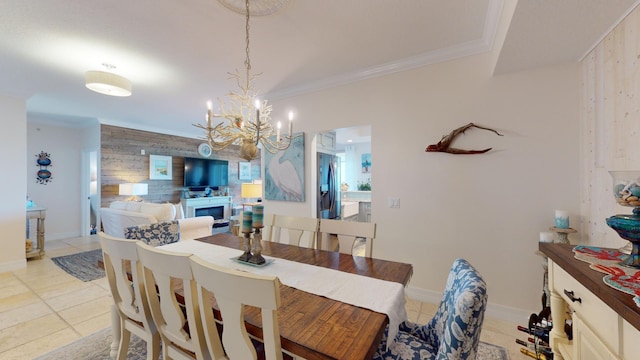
(43, 308)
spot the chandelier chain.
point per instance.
(247, 61)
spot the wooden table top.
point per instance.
(316, 327)
(622, 303)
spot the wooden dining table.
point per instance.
(313, 326)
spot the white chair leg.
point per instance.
(115, 328)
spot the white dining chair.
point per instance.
(348, 232)
(296, 230)
(129, 296)
(163, 270)
(268, 226)
(233, 290)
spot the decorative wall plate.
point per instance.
(204, 150)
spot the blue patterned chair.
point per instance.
(156, 234)
(454, 331)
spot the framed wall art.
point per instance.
(244, 170)
(160, 167)
(284, 172)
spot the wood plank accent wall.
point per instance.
(610, 125)
(121, 161)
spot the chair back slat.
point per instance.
(129, 295)
(233, 290)
(348, 232)
(163, 270)
(296, 229)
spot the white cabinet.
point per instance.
(365, 211)
(602, 323)
(326, 142)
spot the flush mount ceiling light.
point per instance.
(107, 83)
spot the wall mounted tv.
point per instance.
(200, 173)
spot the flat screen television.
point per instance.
(200, 173)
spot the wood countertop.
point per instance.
(621, 303)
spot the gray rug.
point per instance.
(98, 345)
(83, 266)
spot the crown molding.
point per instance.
(484, 44)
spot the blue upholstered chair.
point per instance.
(156, 234)
(454, 331)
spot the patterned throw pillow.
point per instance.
(157, 234)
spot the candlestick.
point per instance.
(209, 111)
(256, 255)
(258, 215)
(278, 132)
(247, 222)
(546, 236)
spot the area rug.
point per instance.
(98, 345)
(83, 266)
(606, 261)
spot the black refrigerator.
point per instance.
(328, 186)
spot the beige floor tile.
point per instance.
(41, 346)
(18, 300)
(13, 290)
(54, 290)
(56, 279)
(30, 330)
(24, 313)
(90, 326)
(8, 279)
(89, 310)
(81, 296)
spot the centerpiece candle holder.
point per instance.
(257, 218)
(626, 190)
(246, 229)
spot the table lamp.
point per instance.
(250, 191)
(133, 190)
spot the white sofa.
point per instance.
(123, 214)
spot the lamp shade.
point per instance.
(251, 190)
(107, 83)
(133, 189)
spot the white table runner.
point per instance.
(386, 297)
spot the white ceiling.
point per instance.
(178, 53)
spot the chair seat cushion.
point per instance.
(157, 234)
(405, 347)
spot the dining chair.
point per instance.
(129, 296)
(267, 231)
(182, 337)
(454, 331)
(348, 232)
(296, 228)
(233, 290)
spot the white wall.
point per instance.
(353, 170)
(486, 208)
(61, 196)
(13, 145)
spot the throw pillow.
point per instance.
(162, 212)
(157, 234)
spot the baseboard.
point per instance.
(497, 311)
(13, 265)
(59, 236)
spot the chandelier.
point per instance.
(246, 120)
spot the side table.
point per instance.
(38, 213)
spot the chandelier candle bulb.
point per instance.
(258, 215)
(562, 219)
(247, 222)
(290, 123)
(278, 132)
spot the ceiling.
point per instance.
(178, 53)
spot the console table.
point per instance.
(38, 213)
(606, 322)
(191, 205)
